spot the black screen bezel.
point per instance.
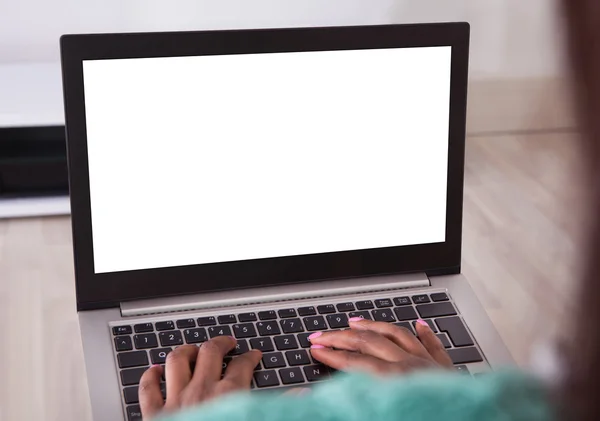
(109, 289)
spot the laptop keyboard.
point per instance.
(282, 336)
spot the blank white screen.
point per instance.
(222, 158)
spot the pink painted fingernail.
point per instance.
(422, 322)
(314, 335)
(317, 346)
(355, 319)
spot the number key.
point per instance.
(194, 336)
(291, 326)
(315, 323)
(363, 314)
(337, 321)
(147, 340)
(268, 328)
(215, 331)
(170, 338)
(244, 330)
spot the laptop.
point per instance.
(266, 184)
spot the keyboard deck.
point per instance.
(282, 336)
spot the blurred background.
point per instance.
(522, 192)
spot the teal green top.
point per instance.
(426, 396)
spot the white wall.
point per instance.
(510, 38)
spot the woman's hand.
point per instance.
(379, 347)
(187, 387)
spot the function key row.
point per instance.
(291, 313)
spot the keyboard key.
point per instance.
(132, 359)
(286, 342)
(315, 323)
(429, 322)
(134, 413)
(164, 325)
(383, 315)
(445, 340)
(131, 394)
(143, 328)
(291, 326)
(262, 344)
(291, 375)
(326, 308)
(268, 328)
(244, 330)
(405, 313)
(195, 336)
(266, 378)
(225, 363)
(383, 302)
(247, 317)
(456, 330)
(365, 305)
(159, 356)
(436, 310)
(465, 355)
(273, 360)
(420, 299)
(121, 330)
(215, 331)
(240, 348)
(344, 307)
(303, 340)
(132, 376)
(307, 311)
(227, 320)
(402, 301)
(462, 368)
(364, 314)
(186, 323)
(267, 315)
(288, 312)
(337, 321)
(439, 296)
(406, 325)
(206, 321)
(299, 357)
(171, 338)
(145, 340)
(316, 372)
(123, 343)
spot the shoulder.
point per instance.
(507, 396)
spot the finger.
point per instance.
(178, 372)
(432, 344)
(208, 367)
(239, 371)
(350, 361)
(401, 336)
(364, 341)
(151, 400)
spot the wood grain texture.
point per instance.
(521, 233)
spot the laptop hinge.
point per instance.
(303, 291)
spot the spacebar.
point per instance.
(465, 355)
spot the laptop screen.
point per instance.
(206, 159)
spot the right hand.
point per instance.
(380, 348)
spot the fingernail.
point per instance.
(422, 322)
(317, 346)
(314, 335)
(355, 319)
(154, 365)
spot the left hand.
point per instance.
(187, 387)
